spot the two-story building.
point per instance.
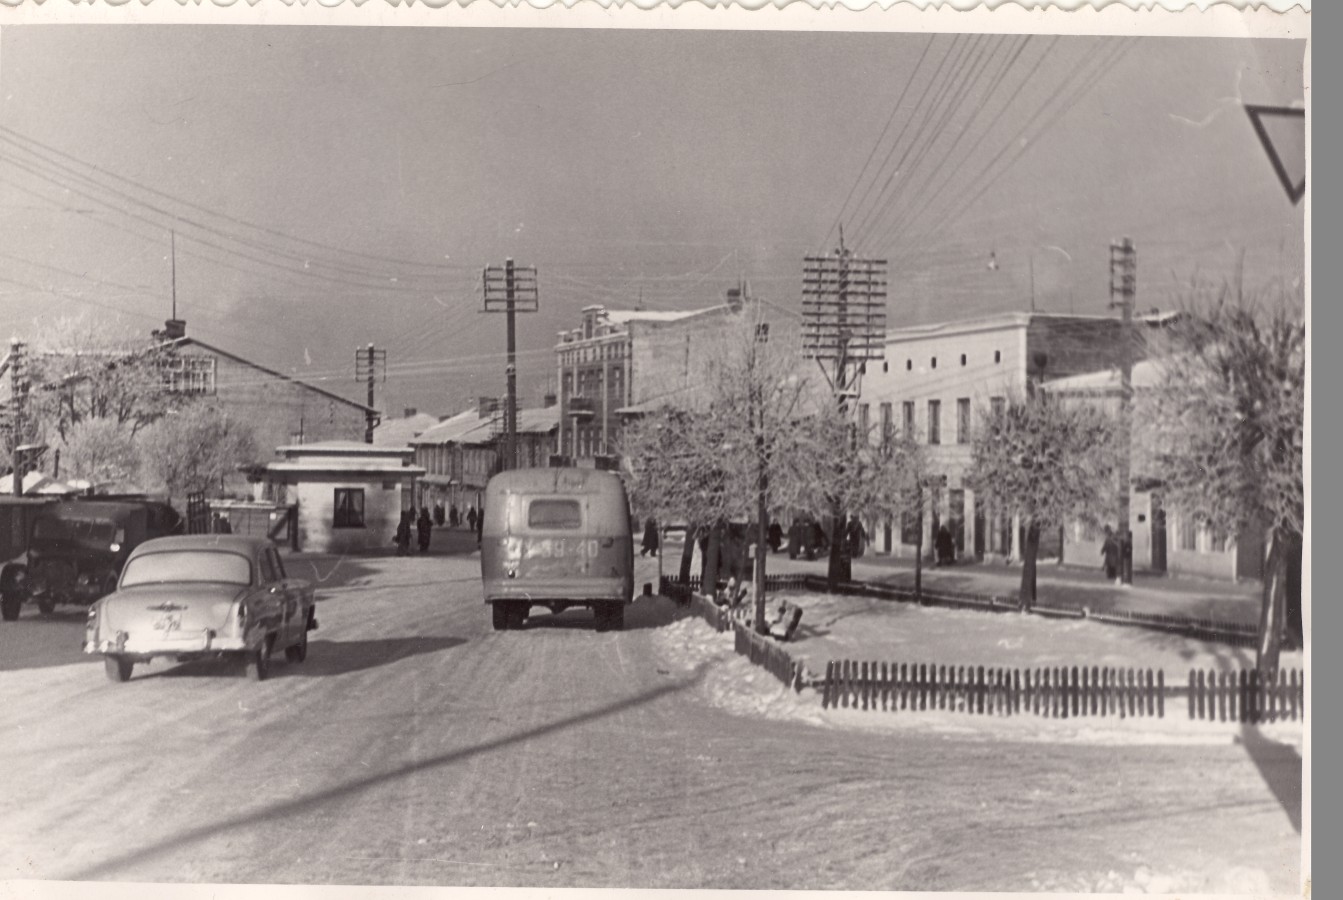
(619, 361)
(937, 382)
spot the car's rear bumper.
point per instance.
(193, 643)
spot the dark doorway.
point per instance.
(1158, 535)
(979, 533)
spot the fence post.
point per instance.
(1291, 696)
(1255, 706)
(825, 686)
(1161, 693)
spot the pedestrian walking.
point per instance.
(945, 546)
(454, 518)
(440, 517)
(775, 537)
(403, 534)
(650, 541)
(1110, 554)
(471, 518)
(423, 526)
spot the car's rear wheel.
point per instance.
(257, 666)
(118, 668)
(499, 610)
(46, 605)
(9, 607)
(296, 653)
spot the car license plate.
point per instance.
(168, 623)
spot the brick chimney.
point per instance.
(410, 411)
(487, 406)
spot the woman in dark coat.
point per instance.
(650, 541)
(424, 525)
(403, 534)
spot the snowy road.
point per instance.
(417, 746)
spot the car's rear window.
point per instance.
(53, 529)
(173, 566)
(564, 514)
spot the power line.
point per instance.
(825, 242)
(16, 138)
(947, 110)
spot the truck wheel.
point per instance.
(118, 668)
(296, 653)
(257, 666)
(615, 617)
(601, 612)
(499, 609)
(10, 606)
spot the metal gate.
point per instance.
(198, 513)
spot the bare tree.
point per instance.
(195, 449)
(1225, 434)
(1047, 463)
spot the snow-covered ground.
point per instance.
(865, 629)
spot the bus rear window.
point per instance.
(554, 514)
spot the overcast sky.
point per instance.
(335, 186)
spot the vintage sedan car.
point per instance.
(202, 597)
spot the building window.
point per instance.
(189, 374)
(934, 362)
(909, 418)
(885, 424)
(934, 421)
(863, 422)
(997, 356)
(962, 359)
(762, 333)
(909, 365)
(909, 527)
(963, 420)
(998, 405)
(349, 508)
(1187, 533)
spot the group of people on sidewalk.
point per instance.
(421, 526)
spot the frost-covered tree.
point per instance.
(195, 448)
(1047, 463)
(1225, 432)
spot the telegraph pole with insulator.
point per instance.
(17, 395)
(1123, 291)
(510, 289)
(368, 363)
(844, 325)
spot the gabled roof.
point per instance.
(191, 341)
(399, 432)
(344, 448)
(469, 428)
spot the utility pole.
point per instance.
(843, 323)
(17, 396)
(510, 289)
(367, 362)
(1123, 290)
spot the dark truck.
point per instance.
(76, 550)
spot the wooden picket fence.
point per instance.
(1247, 695)
(764, 652)
(1060, 692)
